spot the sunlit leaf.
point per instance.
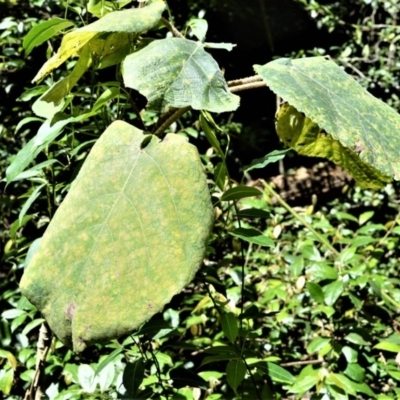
(177, 72)
(303, 135)
(124, 247)
(340, 106)
(125, 24)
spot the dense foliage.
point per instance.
(315, 313)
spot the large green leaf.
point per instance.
(177, 72)
(303, 135)
(129, 235)
(124, 25)
(340, 106)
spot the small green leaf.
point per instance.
(252, 236)
(355, 372)
(210, 135)
(270, 158)
(31, 199)
(332, 292)
(86, 378)
(107, 360)
(366, 216)
(350, 354)
(109, 94)
(239, 192)
(133, 377)
(276, 372)
(217, 358)
(253, 213)
(6, 380)
(235, 373)
(388, 346)
(315, 292)
(43, 32)
(32, 325)
(220, 174)
(356, 339)
(229, 326)
(342, 382)
(317, 344)
(199, 28)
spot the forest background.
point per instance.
(319, 328)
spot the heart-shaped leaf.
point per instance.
(129, 235)
(177, 72)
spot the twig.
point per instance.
(247, 86)
(169, 121)
(250, 79)
(174, 31)
(305, 362)
(35, 391)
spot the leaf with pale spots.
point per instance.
(177, 72)
(340, 106)
(116, 252)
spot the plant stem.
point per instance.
(174, 31)
(250, 79)
(246, 86)
(321, 238)
(35, 391)
(175, 116)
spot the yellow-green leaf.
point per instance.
(129, 235)
(303, 135)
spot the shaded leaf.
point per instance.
(272, 157)
(177, 72)
(239, 192)
(252, 236)
(121, 248)
(253, 213)
(184, 377)
(133, 376)
(229, 326)
(303, 135)
(339, 105)
(235, 373)
(109, 359)
(315, 292)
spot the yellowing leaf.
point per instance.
(303, 135)
(126, 24)
(340, 106)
